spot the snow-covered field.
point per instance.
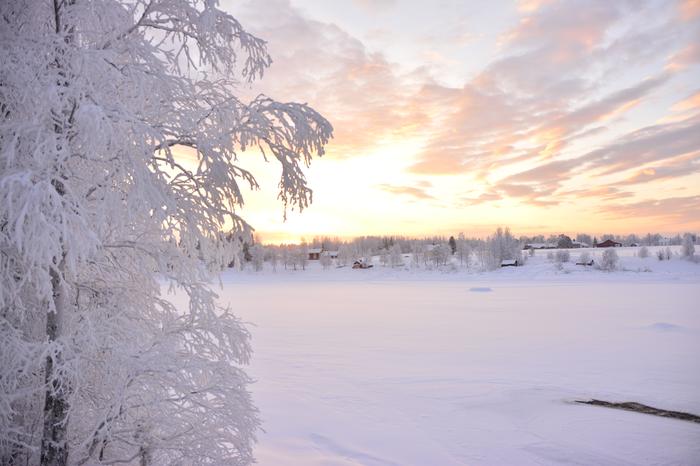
(401, 367)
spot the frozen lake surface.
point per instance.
(387, 367)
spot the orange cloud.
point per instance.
(530, 6)
(552, 139)
(621, 110)
(606, 193)
(690, 103)
(413, 191)
(678, 167)
(689, 9)
(568, 28)
(675, 210)
(527, 127)
(686, 57)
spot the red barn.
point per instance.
(608, 243)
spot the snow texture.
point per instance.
(387, 367)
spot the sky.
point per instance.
(547, 116)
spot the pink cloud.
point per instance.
(549, 88)
(689, 9)
(674, 210)
(412, 191)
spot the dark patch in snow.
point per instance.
(640, 408)
(480, 289)
(665, 327)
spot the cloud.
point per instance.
(687, 56)
(481, 198)
(413, 191)
(529, 6)
(692, 102)
(363, 95)
(572, 92)
(680, 167)
(649, 144)
(547, 90)
(578, 26)
(374, 5)
(606, 193)
(674, 210)
(689, 9)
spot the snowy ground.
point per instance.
(384, 367)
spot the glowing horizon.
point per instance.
(545, 116)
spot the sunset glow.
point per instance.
(546, 116)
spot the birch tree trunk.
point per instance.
(54, 448)
(54, 445)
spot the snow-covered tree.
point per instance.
(453, 245)
(120, 136)
(664, 254)
(500, 246)
(609, 259)
(346, 254)
(584, 257)
(301, 256)
(272, 256)
(440, 253)
(417, 255)
(325, 260)
(384, 257)
(584, 238)
(688, 246)
(564, 242)
(257, 257)
(562, 256)
(463, 250)
(395, 257)
(643, 252)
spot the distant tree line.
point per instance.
(433, 252)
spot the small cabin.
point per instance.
(331, 254)
(608, 243)
(510, 263)
(361, 264)
(315, 253)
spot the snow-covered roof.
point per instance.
(315, 250)
(509, 262)
(541, 245)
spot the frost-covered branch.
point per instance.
(99, 208)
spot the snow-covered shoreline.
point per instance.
(537, 268)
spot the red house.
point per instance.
(608, 243)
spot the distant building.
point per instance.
(608, 243)
(331, 254)
(580, 244)
(315, 253)
(540, 246)
(361, 264)
(510, 263)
